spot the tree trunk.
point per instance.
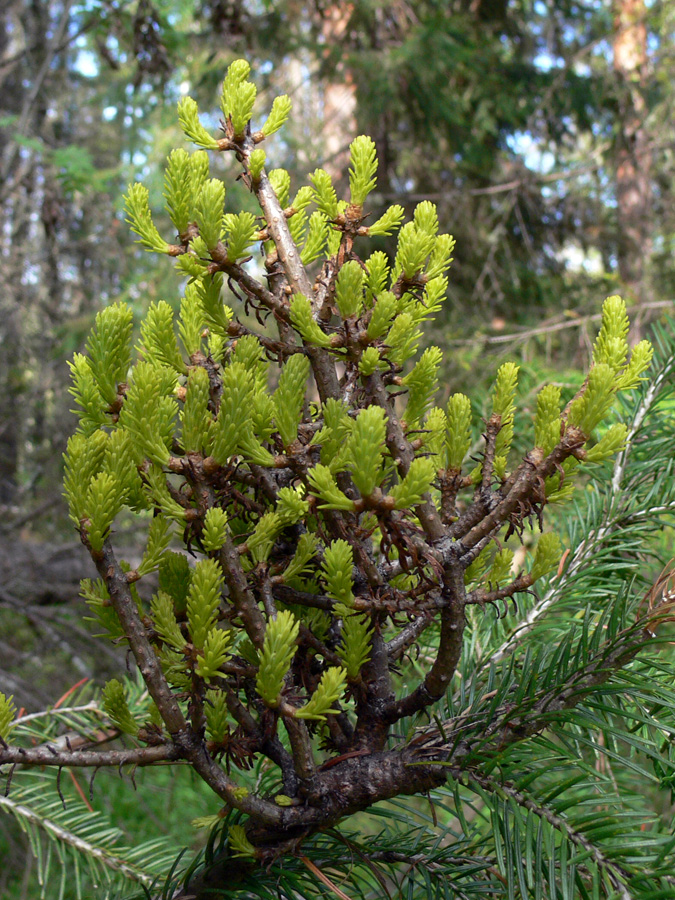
(633, 151)
(339, 97)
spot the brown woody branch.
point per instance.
(403, 454)
(146, 658)
(46, 755)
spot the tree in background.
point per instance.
(529, 121)
(521, 104)
(334, 644)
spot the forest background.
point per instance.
(542, 129)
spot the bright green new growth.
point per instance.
(330, 688)
(281, 108)
(108, 350)
(238, 96)
(547, 421)
(276, 655)
(338, 562)
(116, 706)
(326, 198)
(164, 620)
(422, 384)
(355, 649)
(215, 529)
(209, 211)
(289, 397)
(257, 163)
(388, 221)
(195, 418)
(458, 430)
(501, 567)
(349, 289)
(140, 219)
(362, 169)
(188, 116)
(503, 406)
(215, 710)
(203, 599)
(366, 449)
(410, 491)
(7, 713)
(241, 230)
(239, 843)
(158, 340)
(547, 555)
(303, 321)
(331, 506)
(214, 653)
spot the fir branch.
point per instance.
(107, 858)
(617, 875)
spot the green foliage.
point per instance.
(215, 709)
(459, 430)
(410, 490)
(215, 529)
(366, 448)
(338, 562)
(116, 706)
(356, 640)
(329, 689)
(383, 312)
(388, 221)
(422, 384)
(188, 116)
(289, 397)
(209, 211)
(257, 162)
(241, 229)
(326, 198)
(103, 502)
(275, 657)
(239, 843)
(238, 96)
(362, 169)
(503, 406)
(158, 341)
(234, 412)
(109, 349)
(303, 321)
(7, 713)
(203, 600)
(281, 108)
(164, 620)
(349, 289)
(547, 555)
(177, 189)
(140, 219)
(214, 653)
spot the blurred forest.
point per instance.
(542, 129)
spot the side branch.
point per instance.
(323, 365)
(401, 451)
(125, 607)
(46, 755)
(438, 678)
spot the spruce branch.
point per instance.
(328, 543)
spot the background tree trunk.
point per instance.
(633, 152)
